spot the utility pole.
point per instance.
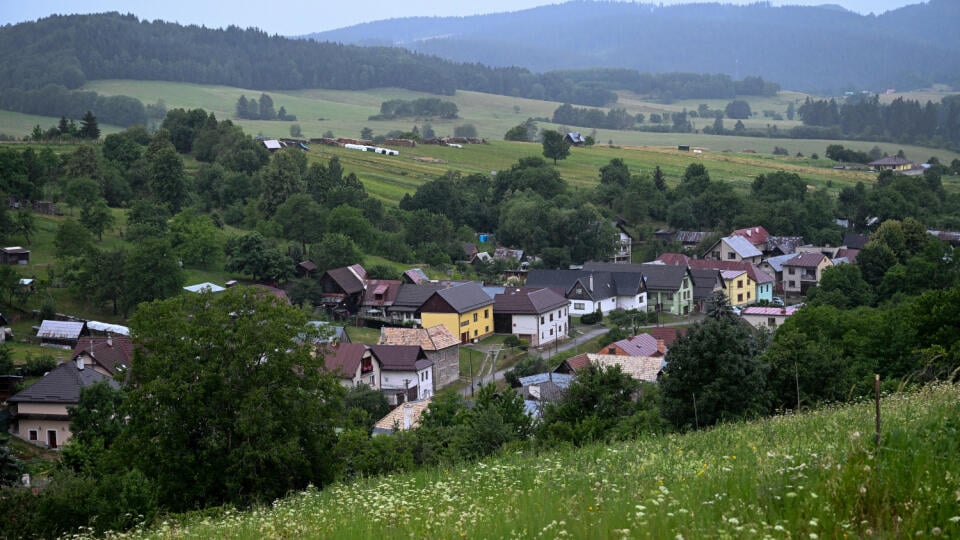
(470, 356)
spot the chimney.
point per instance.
(80, 362)
(407, 415)
(661, 346)
(591, 282)
(109, 340)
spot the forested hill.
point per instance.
(823, 48)
(69, 50)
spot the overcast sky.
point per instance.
(304, 17)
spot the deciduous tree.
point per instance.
(225, 405)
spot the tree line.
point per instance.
(421, 108)
(261, 109)
(903, 120)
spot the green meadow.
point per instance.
(815, 475)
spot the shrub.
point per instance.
(38, 365)
(591, 318)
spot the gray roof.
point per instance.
(465, 297)
(564, 281)
(411, 297)
(400, 357)
(60, 329)
(560, 379)
(62, 385)
(742, 247)
(528, 301)
(777, 262)
(704, 281)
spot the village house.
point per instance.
(641, 368)
(540, 316)
(353, 363)
(734, 248)
(406, 306)
(804, 271)
(465, 309)
(379, 296)
(667, 288)
(764, 282)
(769, 317)
(343, 289)
(39, 412)
(406, 373)
(738, 287)
(439, 344)
(623, 244)
(107, 355)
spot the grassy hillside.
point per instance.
(817, 475)
(346, 112)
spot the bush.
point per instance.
(37, 366)
(592, 318)
(511, 341)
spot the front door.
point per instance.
(465, 337)
(52, 438)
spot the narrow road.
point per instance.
(486, 355)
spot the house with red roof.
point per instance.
(353, 363)
(379, 295)
(108, 356)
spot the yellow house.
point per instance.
(465, 310)
(739, 286)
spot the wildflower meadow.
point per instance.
(815, 475)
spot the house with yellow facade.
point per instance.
(739, 286)
(466, 310)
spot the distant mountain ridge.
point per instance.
(816, 49)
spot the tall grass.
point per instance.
(816, 475)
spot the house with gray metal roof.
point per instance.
(734, 248)
(615, 286)
(465, 309)
(668, 288)
(39, 412)
(410, 298)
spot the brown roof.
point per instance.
(667, 333)
(574, 363)
(109, 352)
(386, 289)
(398, 357)
(349, 278)
(806, 260)
(755, 235)
(344, 357)
(435, 338)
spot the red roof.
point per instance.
(109, 352)
(755, 235)
(344, 357)
(667, 334)
(675, 259)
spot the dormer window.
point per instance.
(366, 364)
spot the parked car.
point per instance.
(777, 301)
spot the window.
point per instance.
(551, 331)
(486, 314)
(771, 321)
(791, 271)
(33, 435)
(475, 317)
(486, 329)
(366, 365)
(731, 255)
(748, 295)
(579, 290)
(612, 350)
(541, 319)
(474, 333)
(465, 323)
(578, 306)
(739, 283)
(740, 298)
(551, 317)
(792, 284)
